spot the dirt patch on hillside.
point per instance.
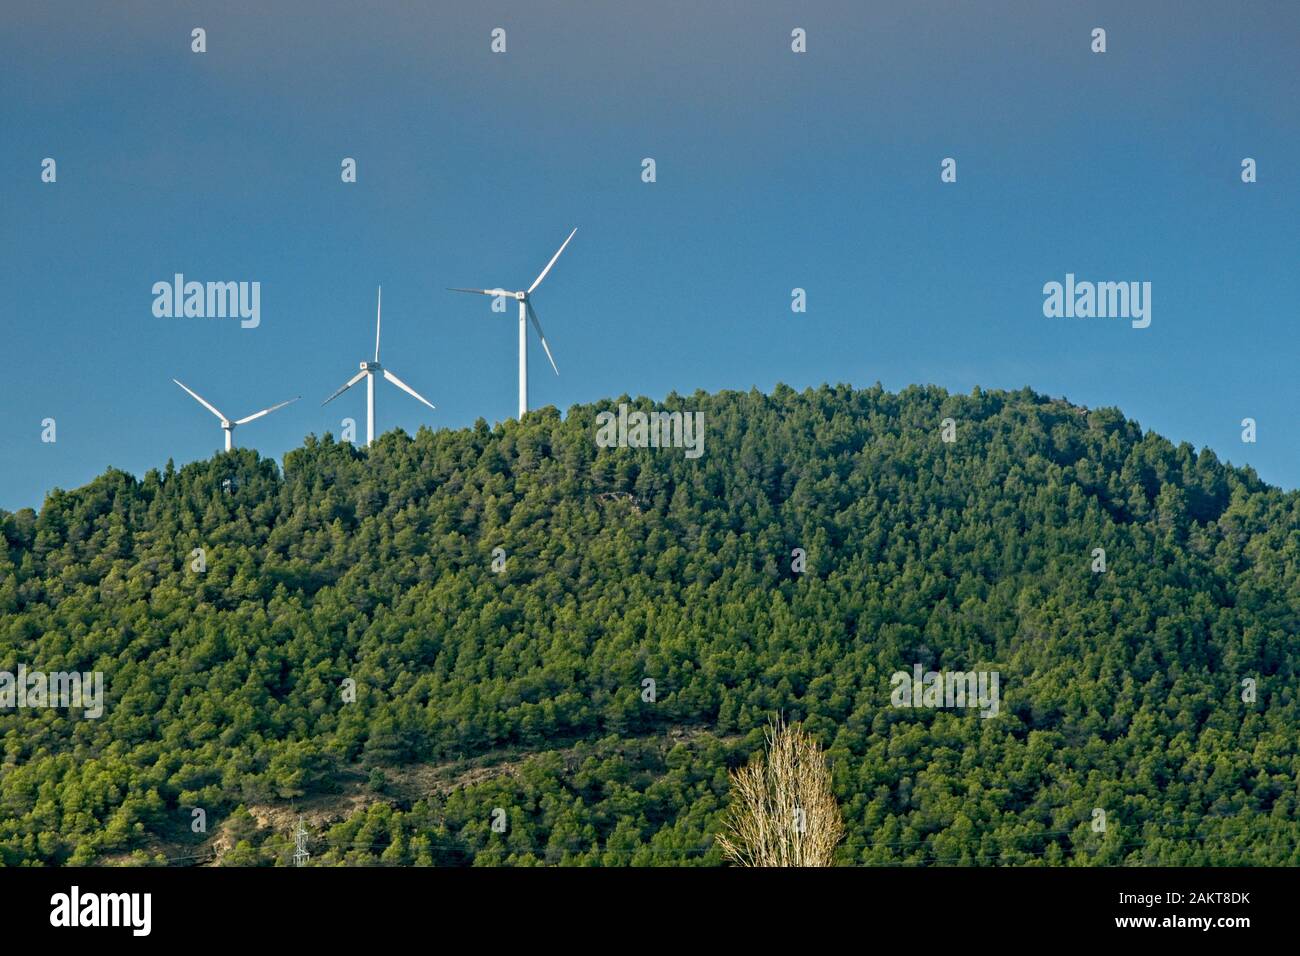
(404, 785)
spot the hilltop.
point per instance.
(523, 688)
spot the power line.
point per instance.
(300, 836)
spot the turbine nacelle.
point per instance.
(371, 367)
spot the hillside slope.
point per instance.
(1120, 691)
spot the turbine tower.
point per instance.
(228, 425)
(526, 312)
(368, 372)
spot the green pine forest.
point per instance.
(518, 697)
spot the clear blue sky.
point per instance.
(775, 170)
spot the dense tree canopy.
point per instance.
(1121, 691)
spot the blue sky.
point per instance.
(775, 171)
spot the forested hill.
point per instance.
(524, 689)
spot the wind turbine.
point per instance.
(228, 425)
(368, 371)
(526, 312)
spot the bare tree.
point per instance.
(783, 812)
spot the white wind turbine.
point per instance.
(526, 312)
(226, 424)
(368, 370)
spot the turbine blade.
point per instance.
(492, 292)
(538, 280)
(406, 388)
(198, 398)
(532, 315)
(350, 382)
(379, 314)
(266, 411)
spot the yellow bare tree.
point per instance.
(782, 811)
